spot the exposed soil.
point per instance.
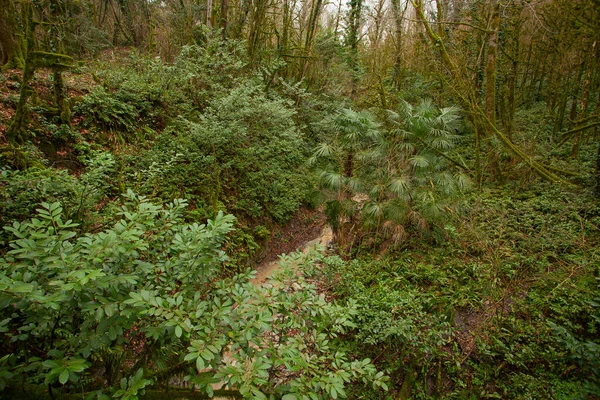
(305, 226)
(266, 269)
(306, 229)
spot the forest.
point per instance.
(442, 156)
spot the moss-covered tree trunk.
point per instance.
(223, 10)
(11, 49)
(469, 100)
(398, 13)
(490, 68)
(310, 34)
(284, 40)
(258, 17)
(60, 96)
(597, 172)
(14, 134)
(583, 106)
(353, 40)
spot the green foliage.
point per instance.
(131, 387)
(413, 164)
(285, 342)
(210, 69)
(350, 132)
(159, 91)
(74, 304)
(507, 308)
(397, 178)
(24, 190)
(393, 315)
(223, 143)
(118, 112)
(51, 274)
(244, 155)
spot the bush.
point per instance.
(245, 155)
(140, 301)
(23, 191)
(110, 112)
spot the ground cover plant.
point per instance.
(506, 307)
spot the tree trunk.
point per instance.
(285, 28)
(240, 21)
(490, 68)
(60, 95)
(353, 38)
(224, 9)
(598, 152)
(14, 133)
(468, 100)
(255, 33)
(598, 171)
(584, 103)
(209, 13)
(398, 39)
(559, 118)
(575, 95)
(11, 54)
(310, 33)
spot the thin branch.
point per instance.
(566, 135)
(451, 23)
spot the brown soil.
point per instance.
(10, 80)
(304, 227)
(306, 230)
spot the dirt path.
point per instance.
(266, 269)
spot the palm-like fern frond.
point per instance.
(331, 180)
(405, 172)
(399, 185)
(324, 150)
(420, 161)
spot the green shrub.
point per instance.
(141, 301)
(245, 155)
(106, 111)
(396, 179)
(23, 191)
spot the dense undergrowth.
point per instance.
(506, 308)
(124, 261)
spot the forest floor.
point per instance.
(303, 232)
(265, 269)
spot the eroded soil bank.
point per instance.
(268, 267)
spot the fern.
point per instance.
(402, 171)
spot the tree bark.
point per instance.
(398, 39)
(310, 33)
(11, 55)
(14, 133)
(209, 13)
(584, 102)
(353, 38)
(60, 96)
(224, 9)
(469, 100)
(490, 68)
